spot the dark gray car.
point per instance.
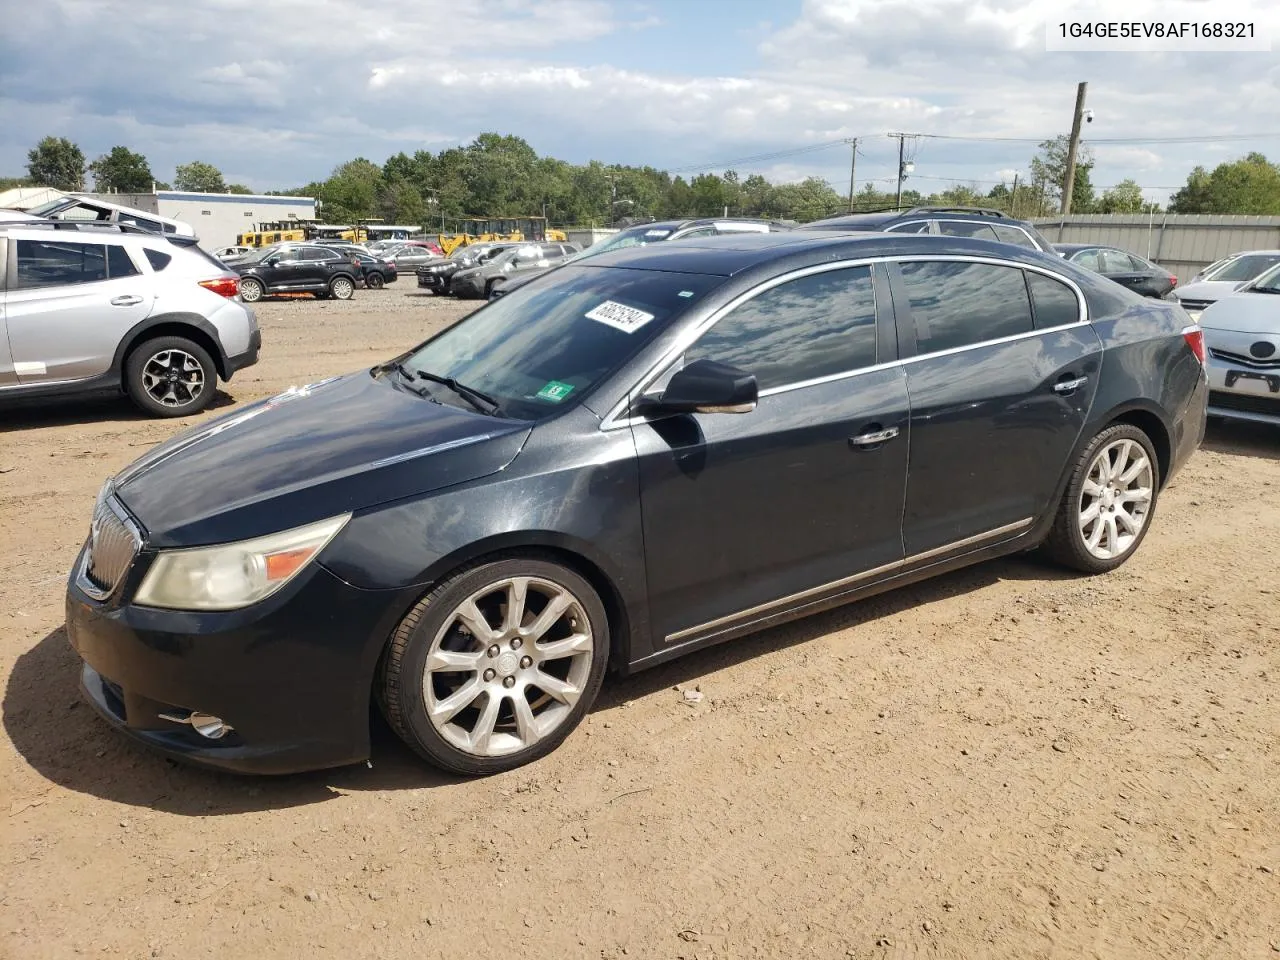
(521, 261)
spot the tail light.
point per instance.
(1195, 340)
(1173, 280)
(223, 286)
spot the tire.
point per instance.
(251, 290)
(497, 669)
(374, 281)
(1098, 480)
(488, 290)
(161, 377)
(341, 288)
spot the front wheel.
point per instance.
(171, 377)
(496, 666)
(1109, 501)
(341, 288)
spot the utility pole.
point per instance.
(853, 167)
(902, 163)
(1013, 198)
(1069, 180)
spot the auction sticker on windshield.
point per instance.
(555, 391)
(619, 316)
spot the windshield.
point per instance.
(549, 343)
(632, 237)
(470, 251)
(1244, 268)
(1269, 282)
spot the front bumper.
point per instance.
(291, 675)
(467, 287)
(435, 282)
(1240, 391)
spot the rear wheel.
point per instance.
(341, 288)
(171, 377)
(496, 666)
(374, 281)
(251, 290)
(1109, 501)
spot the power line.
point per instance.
(1217, 138)
(758, 158)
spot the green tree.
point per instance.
(1049, 172)
(1124, 197)
(1250, 185)
(8, 183)
(351, 192)
(56, 162)
(121, 171)
(200, 177)
(238, 188)
(708, 195)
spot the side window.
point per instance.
(118, 262)
(1089, 259)
(956, 304)
(1117, 261)
(1008, 234)
(158, 260)
(915, 226)
(55, 263)
(143, 222)
(1054, 302)
(966, 228)
(811, 327)
(699, 232)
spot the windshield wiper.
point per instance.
(477, 398)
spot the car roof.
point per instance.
(734, 253)
(873, 219)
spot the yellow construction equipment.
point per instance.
(498, 230)
(274, 231)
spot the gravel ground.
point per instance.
(1004, 762)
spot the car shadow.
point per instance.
(65, 411)
(64, 740)
(1243, 438)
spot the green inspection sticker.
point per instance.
(555, 391)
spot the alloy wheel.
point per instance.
(250, 291)
(1116, 499)
(173, 378)
(508, 665)
(342, 288)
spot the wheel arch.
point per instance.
(1146, 418)
(189, 325)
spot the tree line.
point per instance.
(503, 176)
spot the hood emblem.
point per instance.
(1262, 349)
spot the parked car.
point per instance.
(345, 247)
(1223, 278)
(1242, 335)
(1127, 269)
(71, 207)
(232, 253)
(375, 272)
(410, 257)
(437, 274)
(88, 307)
(428, 244)
(623, 461)
(660, 231)
(981, 223)
(525, 259)
(297, 268)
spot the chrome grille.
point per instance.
(1229, 357)
(113, 543)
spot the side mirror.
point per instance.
(708, 386)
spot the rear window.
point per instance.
(966, 228)
(1055, 303)
(1014, 235)
(118, 262)
(547, 343)
(53, 263)
(958, 304)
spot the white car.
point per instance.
(91, 209)
(1242, 337)
(1223, 278)
(231, 253)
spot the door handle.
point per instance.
(873, 437)
(126, 301)
(1070, 386)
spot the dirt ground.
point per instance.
(1005, 762)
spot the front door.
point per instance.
(69, 305)
(745, 511)
(999, 395)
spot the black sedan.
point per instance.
(617, 463)
(1127, 269)
(375, 271)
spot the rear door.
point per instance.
(7, 376)
(1001, 370)
(747, 510)
(1125, 270)
(68, 305)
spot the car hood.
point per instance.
(1207, 290)
(1244, 313)
(343, 444)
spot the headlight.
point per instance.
(233, 575)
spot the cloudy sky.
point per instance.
(277, 92)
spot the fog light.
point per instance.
(208, 726)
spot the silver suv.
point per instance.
(98, 307)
